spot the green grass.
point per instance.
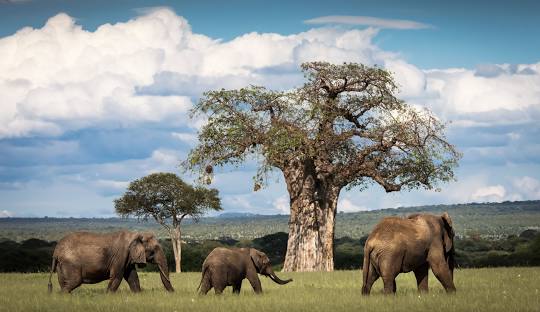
(497, 289)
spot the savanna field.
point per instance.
(487, 289)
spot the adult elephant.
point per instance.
(89, 258)
(416, 243)
(228, 267)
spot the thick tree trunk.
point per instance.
(311, 225)
(176, 241)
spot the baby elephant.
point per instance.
(228, 267)
(416, 243)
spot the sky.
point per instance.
(94, 94)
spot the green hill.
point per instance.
(488, 220)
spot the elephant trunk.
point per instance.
(276, 279)
(452, 262)
(161, 262)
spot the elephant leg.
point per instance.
(218, 289)
(114, 283)
(69, 277)
(255, 282)
(421, 273)
(389, 284)
(237, 287)
(205, 288)
(132, 278)
(206, 284)
(443, 274)
(388, 271)
(372, 276)
(219, 281)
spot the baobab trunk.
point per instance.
(312, 221)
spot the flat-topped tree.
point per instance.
(167, 199)
(343, 128)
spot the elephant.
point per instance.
(416, 243)
(89, 258)
(228, 267)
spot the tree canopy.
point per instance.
(346, 118)
(166, 198)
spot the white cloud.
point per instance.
(489, 193)
(150, 69)
(6, 214)
(189, 138)
(61, 77)
(161, 159)
(368, 21)
(347, 205)
(528, 186)
(463, 95)
(111, 186)
(238, 203)
(282, 204)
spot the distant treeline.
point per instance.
(489, 220)
(34, 255)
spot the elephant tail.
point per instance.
(53, 269)
(205, 277)
(366, 268)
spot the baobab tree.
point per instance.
(168, 200)
(344, 127)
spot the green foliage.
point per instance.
(345, 118)
(349, 253)
(500, 289)
(274, 245)
(165, 196)
(32, 255)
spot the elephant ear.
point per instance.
(257, 258)
(137, 252)
(448, 235)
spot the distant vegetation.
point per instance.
(489, 220)
(504, 234)
(34, 255)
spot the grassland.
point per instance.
(497, 289)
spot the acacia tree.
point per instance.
(344, 127)
(167, 199)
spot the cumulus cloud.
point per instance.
(6, 214)
(527, 186)
(61, 77)
(347, 205)
(503, 95)
(98, 108)
(189, 138)
(150, 69)
(282, 204)
(110, 187)
(368, 21)
(493, 193)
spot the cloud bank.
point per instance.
(89, 111)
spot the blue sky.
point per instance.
(464, 33)
(96, 94)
